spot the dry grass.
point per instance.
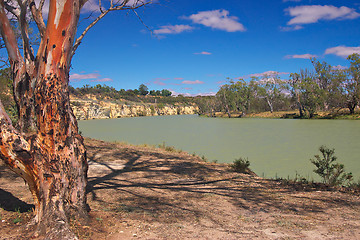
(150, 193)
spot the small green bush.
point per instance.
(204, 159)
(240, 165)
(331, 172)
(168, 148)
(17, 220)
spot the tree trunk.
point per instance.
(227, 109)
(351, 104)
(270, 105)
(46, 150)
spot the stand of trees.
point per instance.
(325, 88)
(111, 92)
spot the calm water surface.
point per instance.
(279, 147)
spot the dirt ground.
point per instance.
(148, 193)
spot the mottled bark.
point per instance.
(46, 150)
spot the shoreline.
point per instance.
(151, 193)
(343, 115)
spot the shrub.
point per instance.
(168, 148)
(240, 165)
(331, 172)
(204, 159)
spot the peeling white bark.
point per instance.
(59, 9)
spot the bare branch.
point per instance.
(13, 10)
(118, 5)
(8, 36)
(140, 19)
(28, 52)
(37, 15)
(78, 41)
(41, 5)
(100, 7)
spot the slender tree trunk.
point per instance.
(226, 105)
(270, 105)
(300, 107)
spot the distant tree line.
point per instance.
(141, 94)
(113, 93)
(325, 88)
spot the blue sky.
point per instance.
(196, 44)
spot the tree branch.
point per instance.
(37, 15)
(13, 10)
(15, 151)
(8, 36)
(79, 39)
(28, 52)
(118, 5)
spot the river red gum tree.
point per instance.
(46, 148)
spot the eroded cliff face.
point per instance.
(93, 108)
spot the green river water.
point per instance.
(274, 147)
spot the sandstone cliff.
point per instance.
(92, 108)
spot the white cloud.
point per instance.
(206, 94)
(342, 51)
(301, 56)
(93, 77)
(267, 73)
(203, 53)
(77, 76)
(218, 19)
(134, 3)
(102, 80)
(313, 13)
(173, 29)
(174, 93)
(192, 82)
(93, 5)
(90, 6)
(339, 67)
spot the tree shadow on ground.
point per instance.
(160, 182)
(11, 203)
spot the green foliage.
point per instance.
(240, 165)
(165, 93)
(352, 83)
(168, 148)
(306, 92)
(152, 108)
(17, 220)
(6, 94)
(134, 95)
(257, 95)
(203, 158)
(331, 172)
(236, 96)
(270, 87)
(160, 105)
(143, 90)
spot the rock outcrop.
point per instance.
(91, 108)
